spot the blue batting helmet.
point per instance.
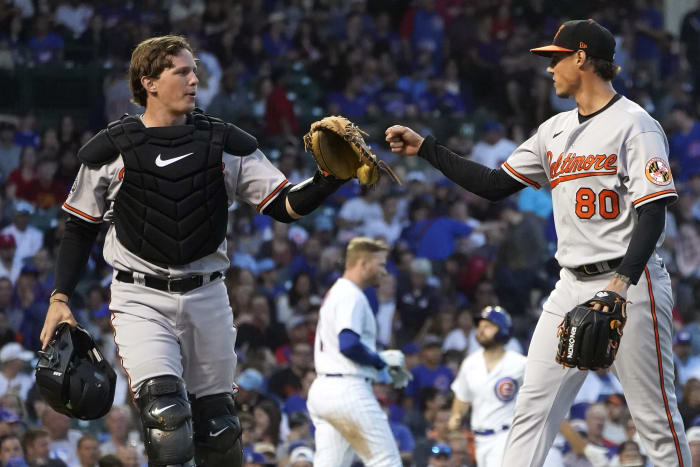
(500, 317)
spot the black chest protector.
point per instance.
(172, 206)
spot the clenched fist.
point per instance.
(402, 140)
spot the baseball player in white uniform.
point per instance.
(164, 182)
(343, 407)
(488, 381)
(607, 165)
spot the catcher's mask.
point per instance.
(73, 376)
(500, 317)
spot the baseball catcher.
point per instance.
(590, 334)
(339, 148)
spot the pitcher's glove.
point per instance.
(339, 148)
(396, 367)
(589, 338)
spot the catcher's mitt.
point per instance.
(589, 338)
(339, 149)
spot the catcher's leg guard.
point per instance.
(167, 422)
(217, 437)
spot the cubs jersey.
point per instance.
(251, 179)
(491, 393)
(599, 171)
(345, 306)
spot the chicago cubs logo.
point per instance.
(658, 172)
(506, 389)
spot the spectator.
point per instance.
(438, 434)
(10, 449)
(50, 193)
(22, 181)
(687, 365)
(232, 102)
(386, 312)
(120, 426)
(389, 226)
(36, 443)
(9, 150)
(14, 379)
(74, 15)
(63, 440)
(29, 239)
(87, 451)
(287, 381)
(430, 372)
(267, 422)
(416, 300)
(684, 143)
(45, 46)
(494, 148)
(10, 267)
(26, 134)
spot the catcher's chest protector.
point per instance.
(172, 206)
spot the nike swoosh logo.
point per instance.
(557, 134)
(163, 409)
(214, 435)
(162, 163)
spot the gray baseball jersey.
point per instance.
(189, 335)
(599, 171)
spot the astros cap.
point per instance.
(581, 34)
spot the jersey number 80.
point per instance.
(607, 201)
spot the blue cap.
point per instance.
(441, 449)
(265, 264)
(250, 380)
(8, 416)
(682, 337)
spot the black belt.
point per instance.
(601, 267)
(341, 375)
(180, 285)
(491, 432)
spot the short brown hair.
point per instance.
(360, 247)
(31, 435)
(604, 68)
(150, 58)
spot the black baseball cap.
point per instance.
(581, 34)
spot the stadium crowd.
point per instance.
(459, 69)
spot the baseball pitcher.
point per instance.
(607, 165)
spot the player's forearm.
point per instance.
(652, 219)
(302, 199)
(352, 348)
(492, 184)
(459, 407)
(73, 253)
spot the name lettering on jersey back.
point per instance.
(573, 166)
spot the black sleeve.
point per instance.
(303, 197)
(492, 184)
(73, 253)
(652, 219)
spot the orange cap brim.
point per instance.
(548, 50)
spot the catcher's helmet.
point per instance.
(73, 376)
(500, 317)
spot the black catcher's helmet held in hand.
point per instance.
(73, 376)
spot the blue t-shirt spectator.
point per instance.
(351, 108)
(686, 149)
(435, 238)
(440, 378)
